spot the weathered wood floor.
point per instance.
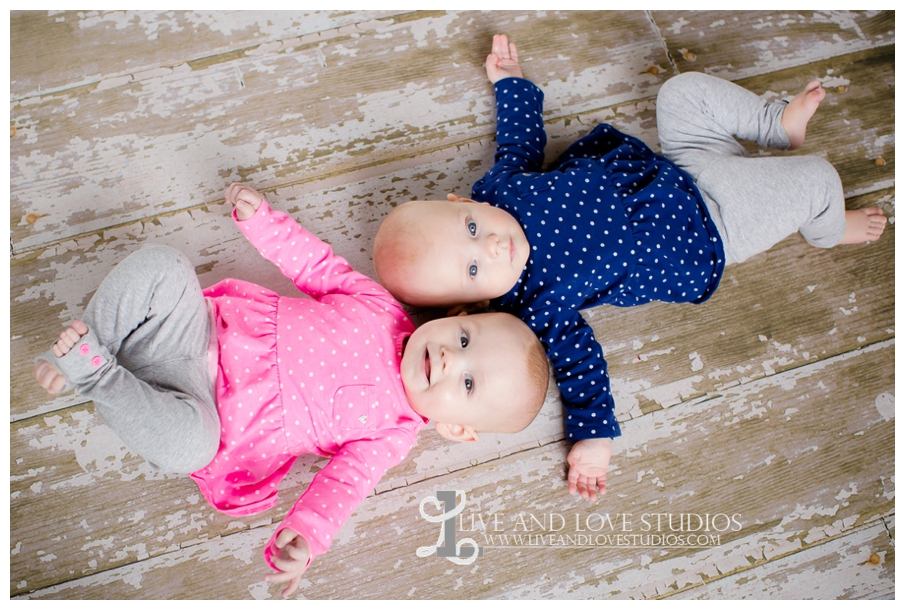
(773, 402)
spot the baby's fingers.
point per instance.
(297, 554)
(231, 192)
(499, 45)
(601, 484)
(285, 537)
(293, 585)
(287, 566)
(574, 477)
(496, 49)
(281, 577)
(69, 338)
(249, 196)
(587, 487)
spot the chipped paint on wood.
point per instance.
(739, 44)
(734, 454)
(784, 377)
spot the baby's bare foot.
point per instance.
(46, 373)
(863, 225)
(799, 111)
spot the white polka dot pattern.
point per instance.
(610, 222)
(306, 375)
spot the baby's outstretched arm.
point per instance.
(503, 60)
(294, 559)
(588, 462)
(245, 199)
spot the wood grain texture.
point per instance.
(742, 453)
(851, 129)
(775, 400)
(97, 156)
(840, 568)
(67, 49)
(739, 44)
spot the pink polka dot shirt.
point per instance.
(299, 375)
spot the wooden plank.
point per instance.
(842, 568)
(88, 158)
(740, 44)
(50, 198)
(67, 49)
(800, 457)
(849, 130)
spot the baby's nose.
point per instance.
(493, 245)
(447, 359)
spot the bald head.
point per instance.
(398, 246)
(446, 253)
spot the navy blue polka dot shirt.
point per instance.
(609, 222)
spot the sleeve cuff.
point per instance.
(271, 550)
(591, 423)
(85, 361)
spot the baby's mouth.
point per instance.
(427, 365)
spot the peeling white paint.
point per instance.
(886, 405)
(657, 352)
(845, 494)
(696, 363)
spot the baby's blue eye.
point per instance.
(472, 270)
(472, 227)
(469, 384)
(464, 339)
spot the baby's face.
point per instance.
(463, 370)
(469, 252)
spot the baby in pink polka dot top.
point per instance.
(232, 383)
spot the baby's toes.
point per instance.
(877, 226)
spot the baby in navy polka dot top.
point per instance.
(612, 222)
(232, 383)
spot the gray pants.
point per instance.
(144, 360)
(754, 201)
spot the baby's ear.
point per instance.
(457, 433)
(460, 199)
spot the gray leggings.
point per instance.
(754, 201)
(144, 360)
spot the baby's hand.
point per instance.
(503, 60)
(588, 461)
(244, 198)
(292, 562)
